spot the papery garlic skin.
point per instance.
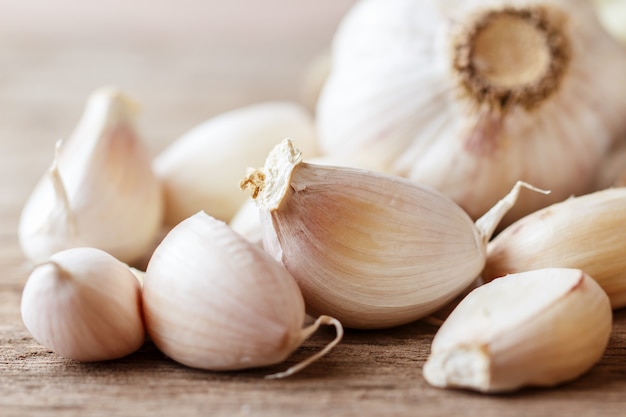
(85, 305)
(100, 190)
(585, 232)
(369, 249)
(213, 300)
(397, 97)
(201, 169)
(537, 328)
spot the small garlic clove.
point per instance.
(537, 328)
(369, 249)
(213, 300)
(584, 232)
(100, 190)
(201, 169)
(85, 305)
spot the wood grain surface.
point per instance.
(185, 61)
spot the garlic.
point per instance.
(100, 190)
(372, 250)
(612, 15)
(314, 79)
(471, 96)
(585, 232)
(201, 170)
(85, 305)
(537, 328)
(213, 300)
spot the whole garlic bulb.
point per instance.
(536, 328)
(585, 232)
(369, 249)
(470, 96)
(84, 304)
(201, 169)
(213, 300)
(100, 190)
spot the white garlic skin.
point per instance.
(214, 301)
(537, 328)
(393, 103)
(85, 305)
(201, 169)
(100, 191)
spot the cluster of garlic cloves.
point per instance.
(100, 190)
(451, 95)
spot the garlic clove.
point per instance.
(369, 249)
(85, 305)
(213, 300)
(469, 97)
(201, 169)
(537, 328)
(99, 191)
(584, 232)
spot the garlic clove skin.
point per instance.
(85, 305)
(213, 300)
(584, 232)
(369, 249)
(399, 97)
(99, 191)
(537, 328)
(201, 169)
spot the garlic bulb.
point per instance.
(537, 328)
(100, 190)
(213, 300)
(372, 250)
(201, 169)
(612, 15)
(85, 305)
(585, 232)
(470, 96)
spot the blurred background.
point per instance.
(184, 61)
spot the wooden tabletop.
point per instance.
(185, 61)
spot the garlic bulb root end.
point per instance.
(306, 333)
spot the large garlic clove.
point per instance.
(201, 169)
(585, 232)
(372, 250)
(470, 97)
(215, 301)
(84, 304)
(100, 190)
(537, 328)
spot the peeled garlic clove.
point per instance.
(470, 97)
(537, 328)
(213, 300)
(100, 190)
(370, 249)
(585, 232)
(201, 169)
(85, 305)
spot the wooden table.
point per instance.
(186, 61)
